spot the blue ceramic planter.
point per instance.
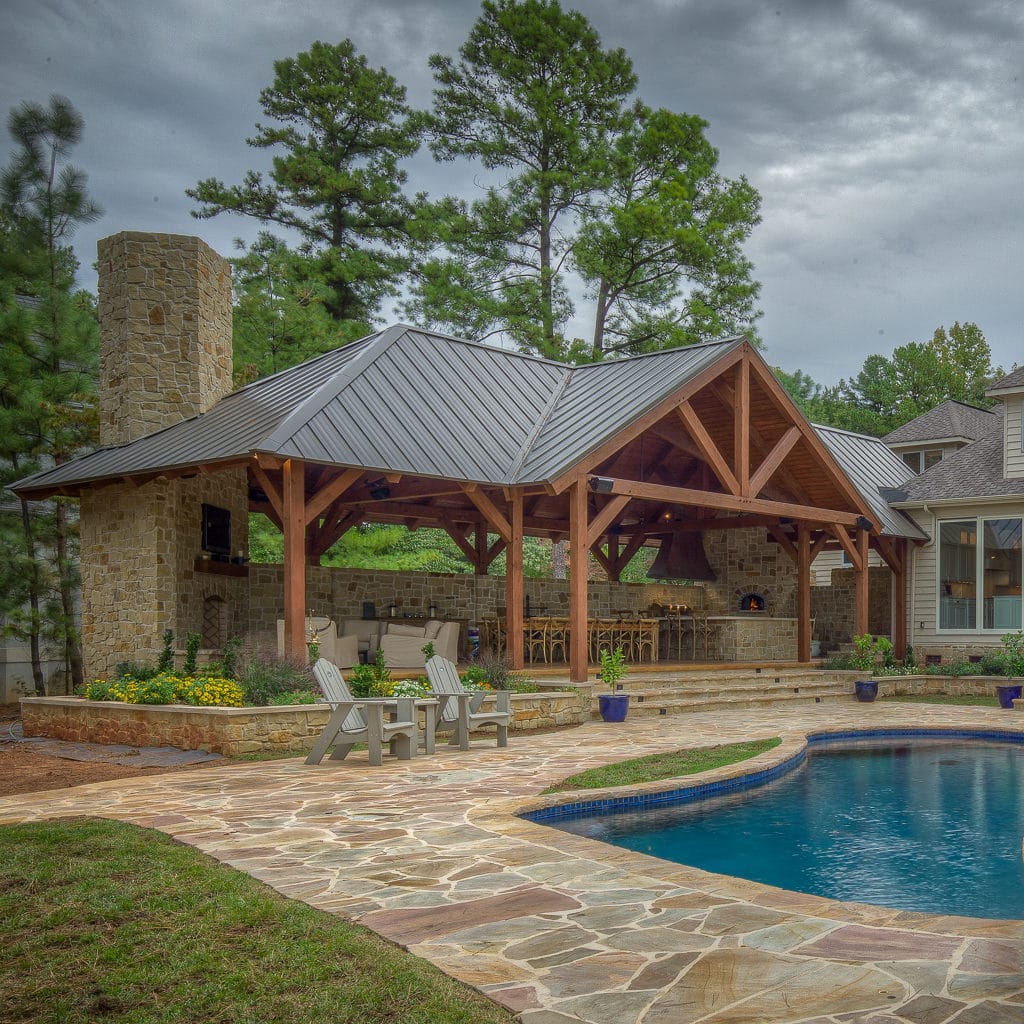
(613, 706)
(867, 690)
(1007, 695)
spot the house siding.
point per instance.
(923, 606)
(1013, 451)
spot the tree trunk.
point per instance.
(600, 315)
(33, 599)
(65, 577)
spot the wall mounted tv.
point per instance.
(217, 532)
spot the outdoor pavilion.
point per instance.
(413, 427)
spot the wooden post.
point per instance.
(860, 605)
(613, 558)
(514, 584)
(480, 563)
(803, 592)
(899, 601)
(293, 499)
(579, 639)
(741, 427)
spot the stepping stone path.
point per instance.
(560, 928)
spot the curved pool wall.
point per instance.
(751, 780)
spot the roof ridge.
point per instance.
(527, 445)
(333, 386)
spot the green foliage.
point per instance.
(138, 670)
(613, 666)
(265, 677)
(534, 97)
(47, 373)
(372, 680)
(493, 672)
(279, 700)
(229, 657)
(960, 667)
(660, 252)
(166, 661)
(192, 643)
(338, 131)
(428, 650)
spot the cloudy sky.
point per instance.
(886, 137)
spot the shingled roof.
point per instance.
(952, 420)
(976, 471)
(1012, 381)
(411, 401)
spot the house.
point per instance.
(966, 581)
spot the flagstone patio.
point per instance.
(560, 928)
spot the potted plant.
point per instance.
(1012, 659)
(613, 667)
(869, 654)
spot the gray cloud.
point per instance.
(884, 136)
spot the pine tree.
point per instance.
(47, 375)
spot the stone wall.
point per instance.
(340, 593)
(234, 731)
(833, 606)
(165, 328)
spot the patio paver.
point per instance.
(562, 928)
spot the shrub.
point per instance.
(136, 669)
(373, 680)
(613, 666)
(191, 650)
(263, 678)
(229, 658)
(292, 697)
(166, 663)
(208, 691)
(493, 672)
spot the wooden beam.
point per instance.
(803, 592)
(730, 502)
(847, 545)
(579, 658)
(706, 443)
(600, 523)
(647, 420)
(333, 530)
(613, 558)
(294, 522)
(606, 562)
(773, 460)
(780, 537)
(268, 488)
(515, 585)
(819, 544)
(636, 542)
(480, 562)
(328, 494)
(458, 534)
(268, 510)
(860, 605)
(741, 427)
(490, 512)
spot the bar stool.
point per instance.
(647, 639)
(557, 639)
(535, 639)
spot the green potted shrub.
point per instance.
(1011, 659)
(613, 667)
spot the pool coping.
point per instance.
(531, 820)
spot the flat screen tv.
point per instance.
(217, 532)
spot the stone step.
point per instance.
(721, 680)
(726, 702)
(692, 691)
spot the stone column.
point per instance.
(165, 356)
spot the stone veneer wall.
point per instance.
(746, 562)
(165, 355)
(340, 593)
(165, 327)
(833, 606)
(234, 731)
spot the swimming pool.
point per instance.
(924, 824)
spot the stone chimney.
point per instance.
(165, 332)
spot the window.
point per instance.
(980, 583)
(922, 460)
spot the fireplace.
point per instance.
(753, 603)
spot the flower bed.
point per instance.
(234, 731)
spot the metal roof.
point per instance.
(411, 401)
(870, 465)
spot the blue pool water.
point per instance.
(929, 825)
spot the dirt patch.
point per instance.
(23, 770)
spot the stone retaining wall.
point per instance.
(233, 731)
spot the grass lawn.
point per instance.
(105, 921)
(663, 766)
(942, 698)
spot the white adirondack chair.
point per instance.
(458, 710)
(361, 721)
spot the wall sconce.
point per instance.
(432, 611)
(601, 484)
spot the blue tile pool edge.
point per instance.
(750, 780)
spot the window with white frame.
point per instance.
(980, 574)
(924, 459)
